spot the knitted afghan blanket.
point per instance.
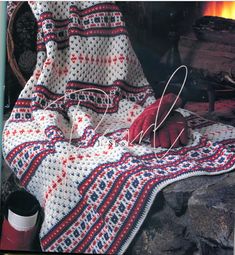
(66, 139)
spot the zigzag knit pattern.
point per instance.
(66, 139)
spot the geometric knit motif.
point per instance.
(11, 6)
(66, 139)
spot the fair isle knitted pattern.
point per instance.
(11, 6)
(95, 189)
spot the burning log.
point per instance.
(213, 60)
(212, 51)
(215, 29)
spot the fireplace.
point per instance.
(208, 50)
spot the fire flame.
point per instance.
(220, 9)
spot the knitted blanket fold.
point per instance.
(66, 139)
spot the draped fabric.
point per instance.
(67, 136)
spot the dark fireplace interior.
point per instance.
(166, 35)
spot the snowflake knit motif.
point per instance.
(66, 138)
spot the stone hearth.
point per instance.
(191, 217)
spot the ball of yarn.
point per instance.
(27, 61)
(26, 29)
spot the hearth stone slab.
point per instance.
(190, 217)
